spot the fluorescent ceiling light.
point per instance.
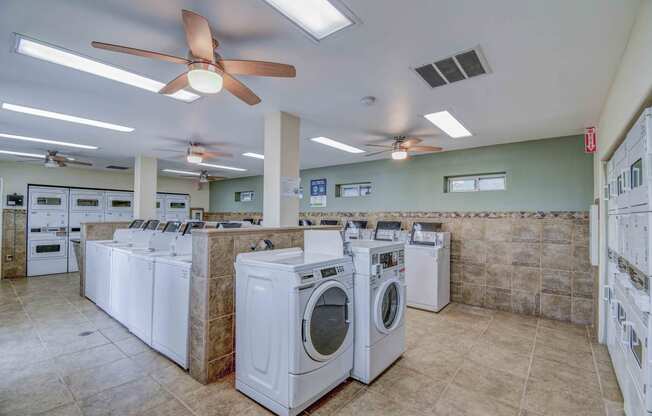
(319, 18)
(181, 172)
(56, 55)
(45, 141)
(338, 145)
(449, 124)
(254, 155)
(9, 152)
(65, 117)
(210, 165)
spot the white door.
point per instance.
(389, 306)
(327, 321)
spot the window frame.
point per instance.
(358, 186)
(476, 182)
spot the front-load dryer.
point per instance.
(380, 303)
(294, 326)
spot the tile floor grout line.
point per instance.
(529, 368)
(599, 376)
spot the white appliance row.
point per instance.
(308, 319)
(626, 295)
(55, 215)
(142, 279)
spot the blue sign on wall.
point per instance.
(318, 187)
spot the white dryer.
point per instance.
(294, 326)
(427, 267)
(47, 223)
(86, 205)
(177, 207)
(379, 306)
(119, 206)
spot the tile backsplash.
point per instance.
(533, 263)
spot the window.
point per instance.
(487, 182)
(636, 172)
(352, 190)
(245, 196)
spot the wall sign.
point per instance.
(318, 193)
(590, 140)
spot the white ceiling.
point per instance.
(552, 64)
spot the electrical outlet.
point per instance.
(9, 257)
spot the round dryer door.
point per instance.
(327, 321)
(389, 306)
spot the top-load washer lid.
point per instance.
(291, 259)
(359, 224)
(151, 225)
(425, 233)
(385, 230)
(136, 224)
(192, 225)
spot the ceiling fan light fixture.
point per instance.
(399, 155)
(51, 163)
(194, 158)
(205, 78)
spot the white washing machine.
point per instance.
(379, 284)
(139, 284)
(120, 275)
(171, 308)
(294, 326)
(427, 267)
(98, 263)
(47, 227)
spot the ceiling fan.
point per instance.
(402, 146)
(207, 72)
(196, 152)
(202, 178)
(54, 160)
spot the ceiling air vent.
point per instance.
(458, 67)
(117, 167)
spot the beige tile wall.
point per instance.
(14, 246)
(533, 263)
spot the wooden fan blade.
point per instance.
(380, 145)
(216, 44)
(78, 162)
(377, 153)
(198, 35)
(259, 68)
(411, 142)
(175, 85)
(139, 52)
(424, 149)
(211, 155)
(216, 178)
(240, 90)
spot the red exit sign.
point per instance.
(590, 140)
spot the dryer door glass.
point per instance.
(329, 321)
(389, 306)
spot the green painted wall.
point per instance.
(542, 175)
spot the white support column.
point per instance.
(281, 161)
(145, 177)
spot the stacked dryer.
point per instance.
(85, 206)
(47, 223)
(627, 292)
(119, 206)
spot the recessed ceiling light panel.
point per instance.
(22, 154)
(210, 165)
(448, 124)
(318, 18)
(46, 141)
(65, 117)
(60, 56)
(181, 172)
(337, 145)
(254, 155)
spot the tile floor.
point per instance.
(60, 355)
